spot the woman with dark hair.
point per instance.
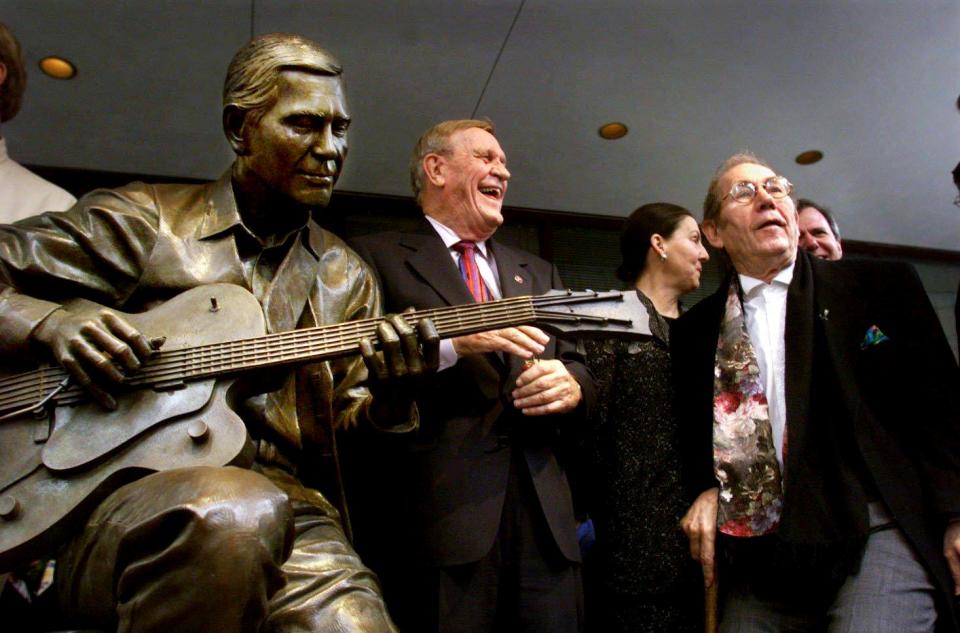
(644, 579)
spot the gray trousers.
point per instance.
(891, 593)
(215, 550)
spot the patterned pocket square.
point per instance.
(873, 337)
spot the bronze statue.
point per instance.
(210, 548)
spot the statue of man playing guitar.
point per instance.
(250, 543)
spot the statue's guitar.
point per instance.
(60, 453)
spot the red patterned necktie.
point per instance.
(744, 459)
(469, 270)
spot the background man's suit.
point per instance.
(456, 468)
(864, 421)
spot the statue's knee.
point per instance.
(225, 503)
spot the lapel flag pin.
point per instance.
(518, 279)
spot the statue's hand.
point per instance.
(95, 345)
(396, 372)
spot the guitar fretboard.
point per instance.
(321, 343)
(173, 367)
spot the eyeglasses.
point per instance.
(745, 191)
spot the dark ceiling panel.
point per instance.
(146, 98)
(407, 65)
(871, 83)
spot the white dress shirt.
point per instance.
(23, 193)
(765, 311)
(486, 265)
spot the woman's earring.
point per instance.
(663, 256)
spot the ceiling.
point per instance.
(871, 83)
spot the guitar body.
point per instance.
(54, 470)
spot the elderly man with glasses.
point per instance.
(821, 431)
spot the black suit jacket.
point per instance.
(457, 463)
(895, 402)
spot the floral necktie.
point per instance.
(744, 458)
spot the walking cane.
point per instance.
(710, 608)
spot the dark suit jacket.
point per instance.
(895, 402)
(459, 460)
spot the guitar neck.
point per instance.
(574, 313)
(178, 366)
(322, 343)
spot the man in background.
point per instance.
(819, 233)
(22, 193)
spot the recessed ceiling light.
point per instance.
(809, 157)
(58, 67)
(613, 131)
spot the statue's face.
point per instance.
(298, 147)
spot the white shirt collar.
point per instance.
(783, 278)
(3, 150)
(450, 238)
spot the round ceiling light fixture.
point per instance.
(809, 157)
(613, 130)
(58, 67)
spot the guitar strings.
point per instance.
(346, 334)
(26, 389)
(304, 344)
(284, 347)
(39, 405)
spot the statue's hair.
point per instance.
(254, 72)
(436, 140)
(11, 56)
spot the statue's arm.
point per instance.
(95, 250)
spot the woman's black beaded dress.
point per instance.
(640, 576)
